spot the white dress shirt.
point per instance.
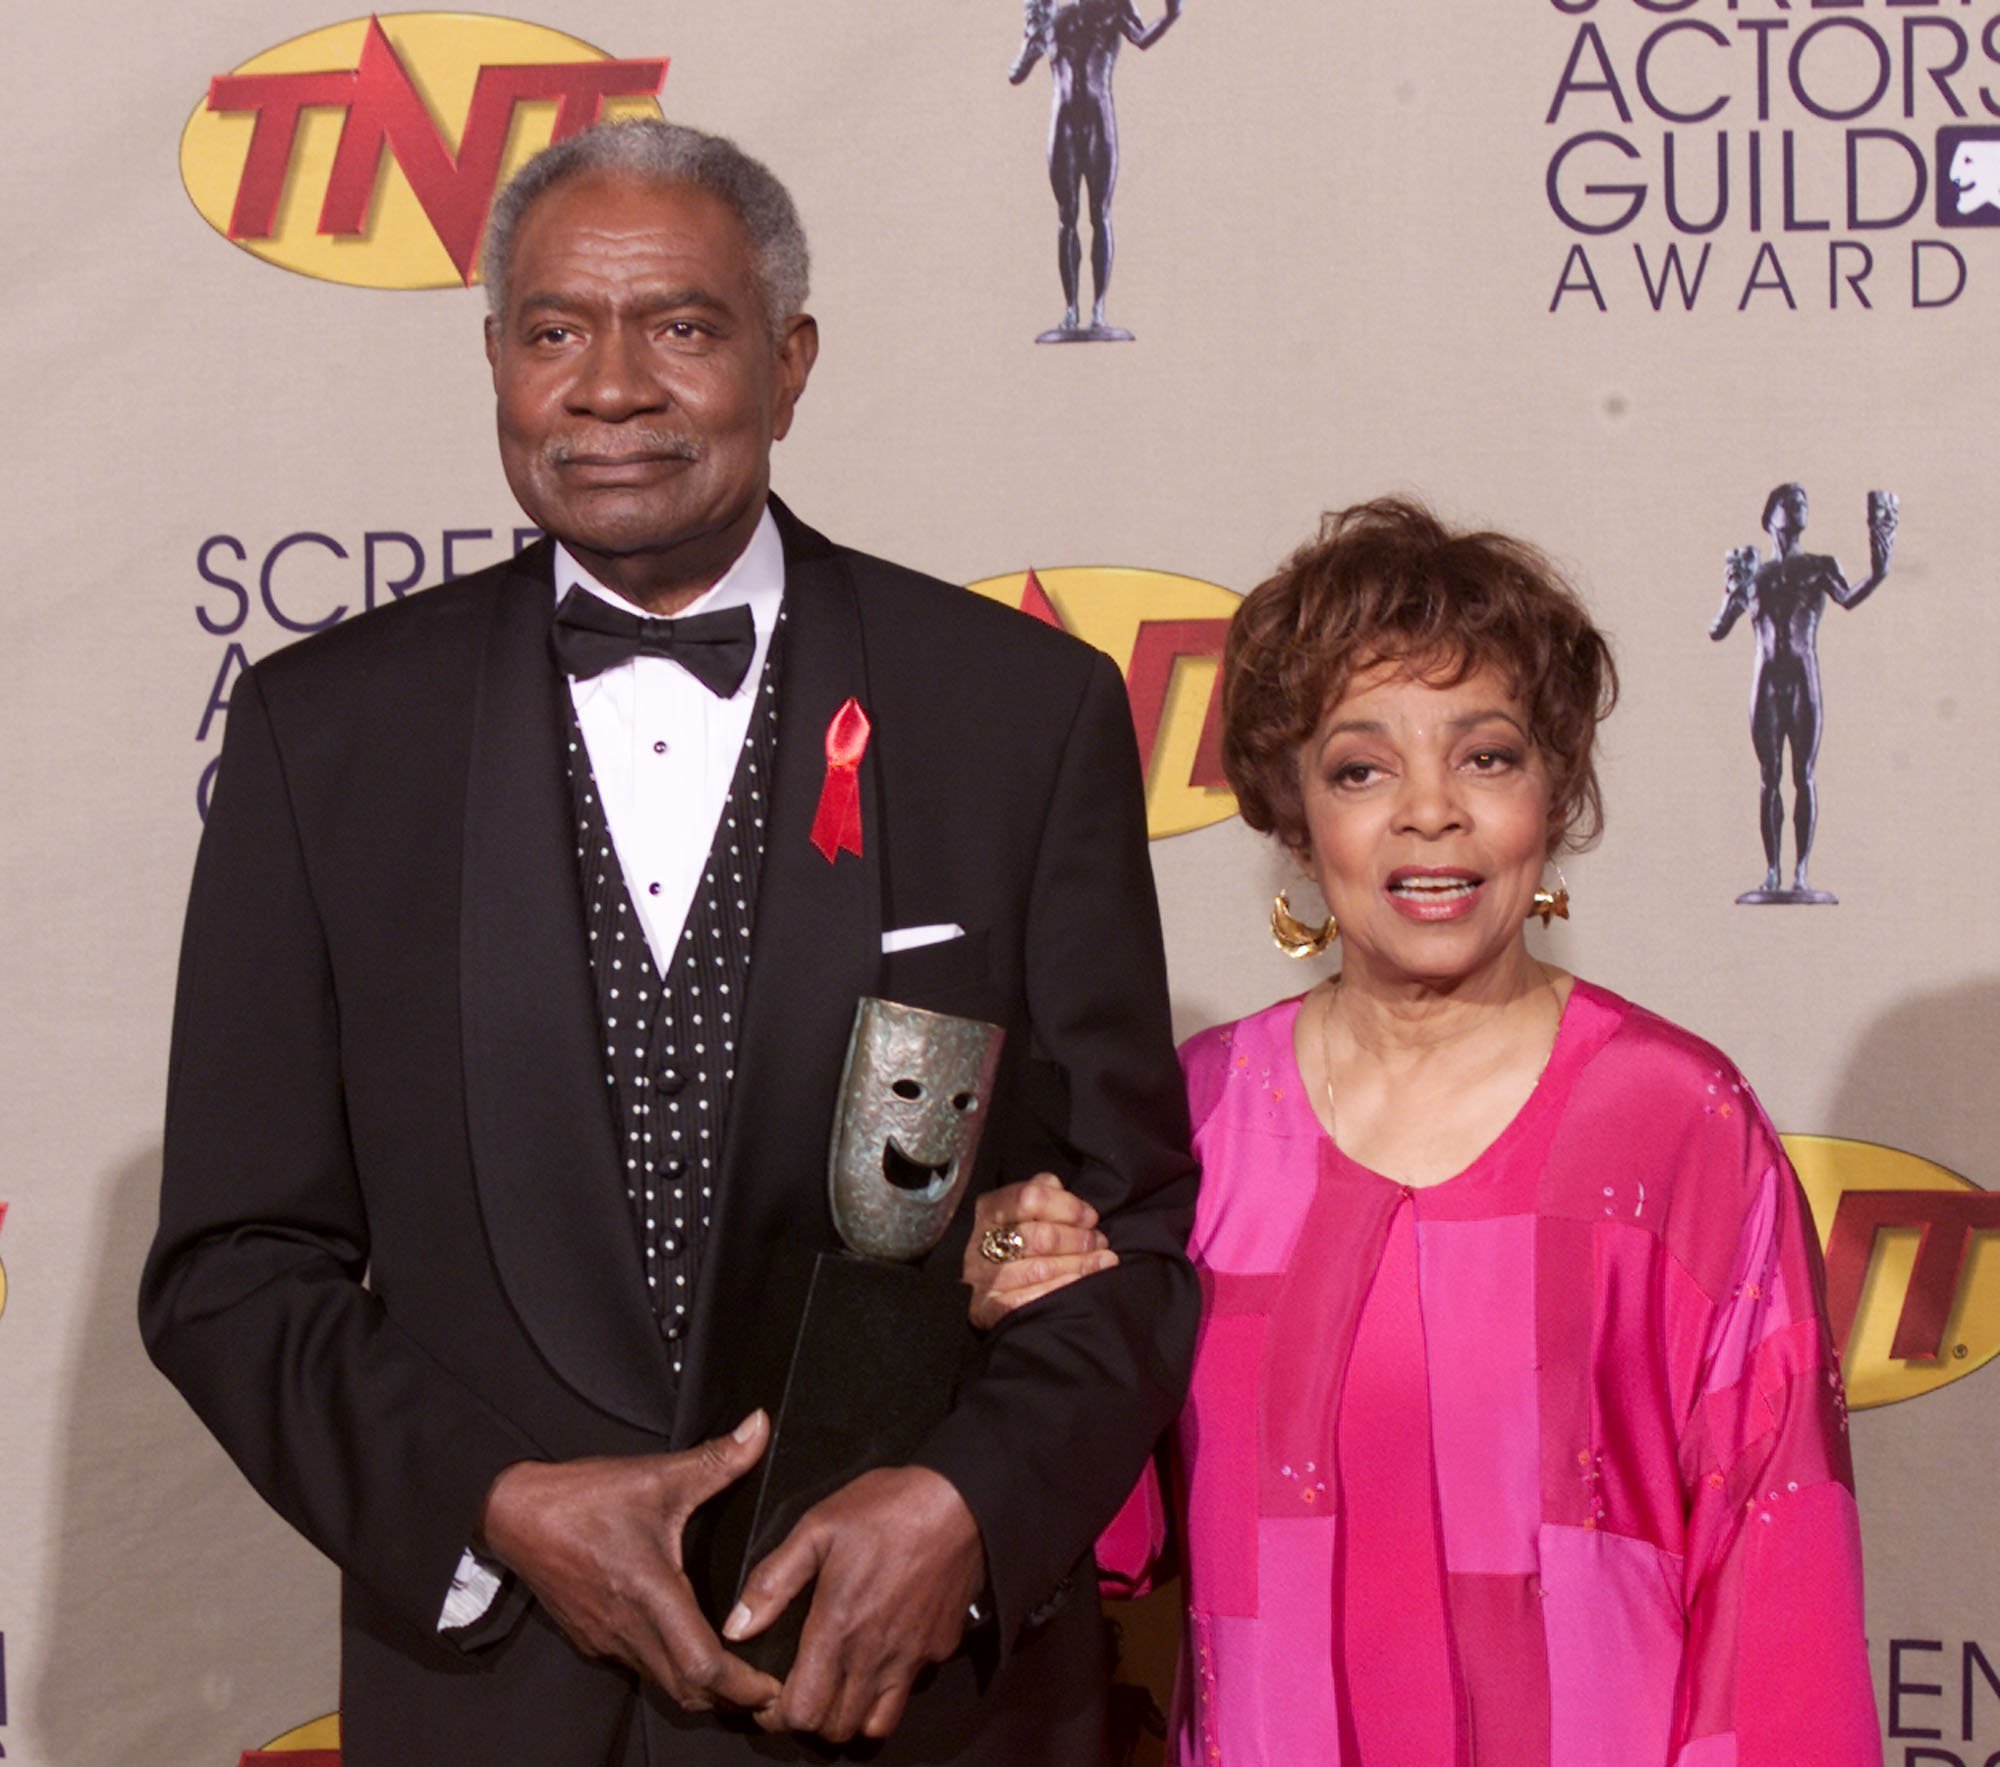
(663, 749)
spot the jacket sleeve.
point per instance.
(1071, 1393)
(1776, 1665)
(254, 1300)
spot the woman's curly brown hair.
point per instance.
(1387, 581)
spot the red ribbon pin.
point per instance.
(836, 825)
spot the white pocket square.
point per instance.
(908, 938)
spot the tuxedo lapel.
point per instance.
(544, 1152)
(816, 948)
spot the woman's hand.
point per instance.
(1057, 1239)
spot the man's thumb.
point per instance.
(722, 1460)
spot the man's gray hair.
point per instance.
(654, 152)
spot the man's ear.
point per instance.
(798, 350)
(492, 332)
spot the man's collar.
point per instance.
(756, 580)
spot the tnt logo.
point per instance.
(1912, 1271)
(330, 154)
(1968, 177)
(309, 1745)
(1165, 632)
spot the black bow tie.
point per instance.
(590, 636)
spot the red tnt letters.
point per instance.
(1161, 644)
(384, 107)
(1945, 1221)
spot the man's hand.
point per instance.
(899, 1560)
(599, 1543)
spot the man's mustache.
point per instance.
(627, 444)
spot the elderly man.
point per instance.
(527, 929)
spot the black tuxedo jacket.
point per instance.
(394, 1253)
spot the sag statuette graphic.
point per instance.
(285, 155)
(1784, 595)
(1079, 39)
(1165, 634)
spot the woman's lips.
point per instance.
(1430, 895)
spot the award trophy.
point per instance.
(872, 1366)
(1783, 594)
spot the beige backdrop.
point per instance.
(1337, 248)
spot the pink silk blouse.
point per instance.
(1547, 1463)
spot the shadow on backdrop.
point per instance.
(182, 1621)
(1921, 1079)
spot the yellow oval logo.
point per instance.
(369, 152)
(321, 1736)
(1912, 1273)
(1165, 634)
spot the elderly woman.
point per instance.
(1515, 1433)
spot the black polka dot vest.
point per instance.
(669, 1040)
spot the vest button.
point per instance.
(668, 1081)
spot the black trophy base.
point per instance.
(871, 1373)
(1085, 334)
(1788, 899)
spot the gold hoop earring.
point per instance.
(1551, 904)
(1293, 937)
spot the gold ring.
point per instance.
(1001, 1245)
